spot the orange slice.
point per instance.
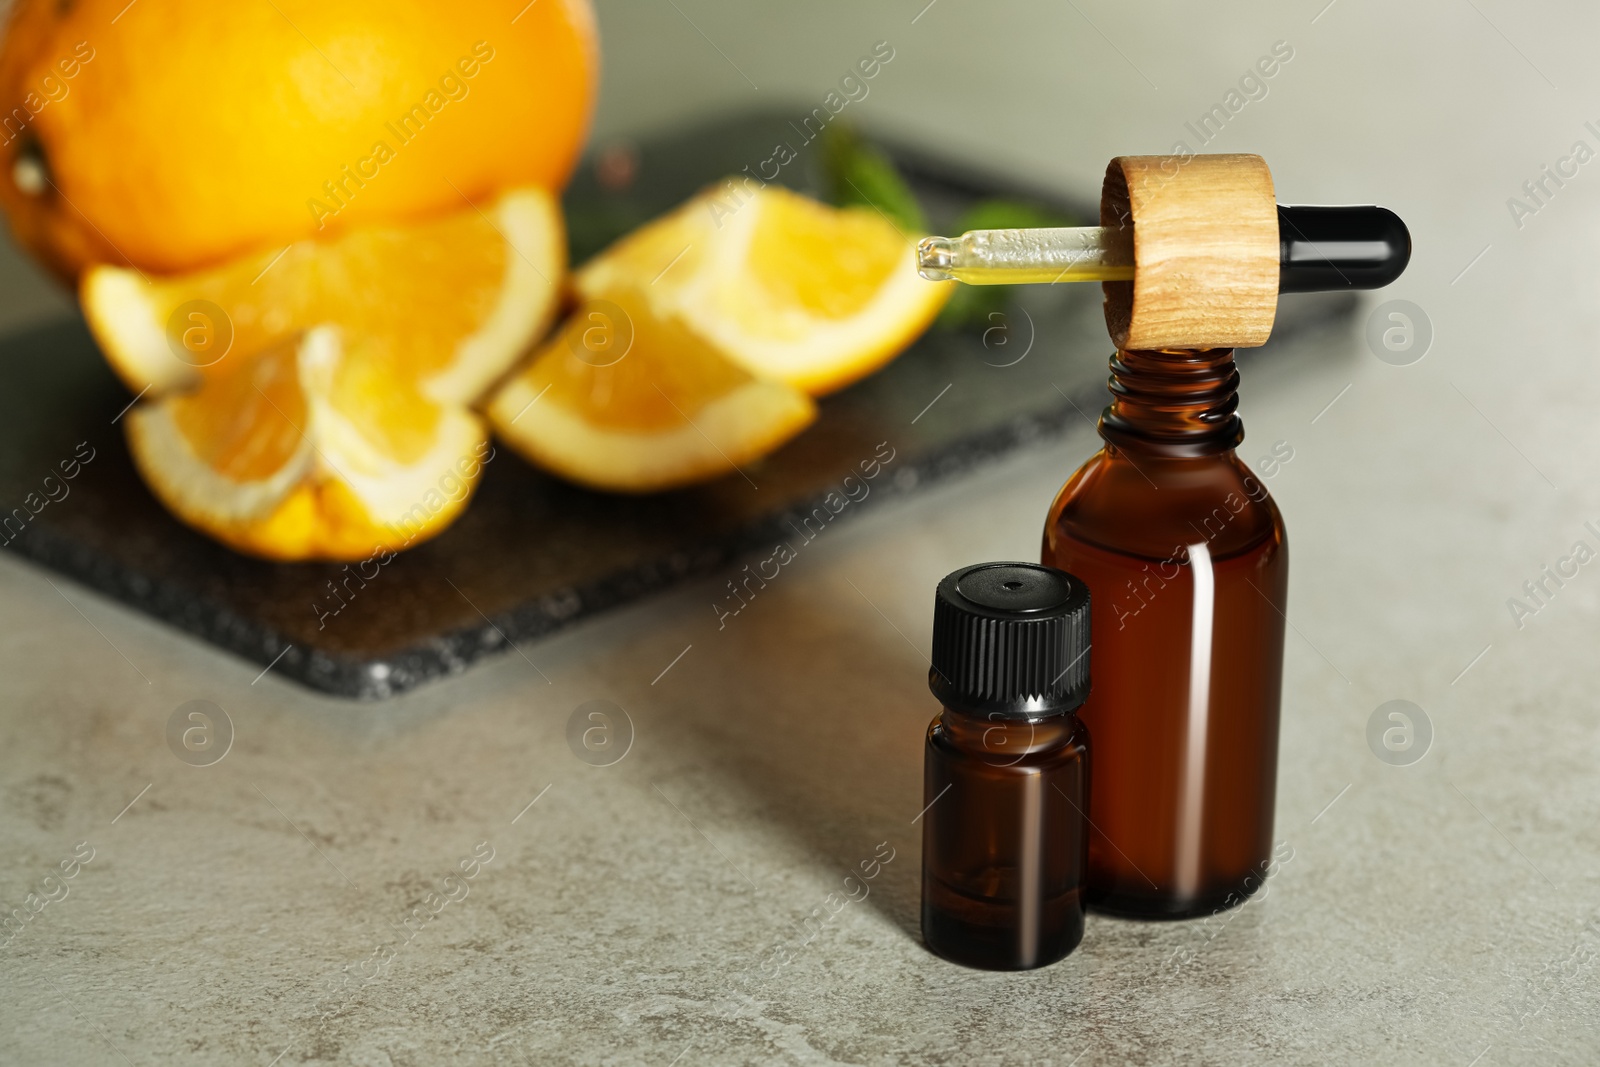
(790, 289)
(311, 403)
(451, 303)
(263, 457)
(625, 401)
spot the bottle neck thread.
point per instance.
(1174, 402)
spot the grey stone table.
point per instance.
(439, 879)
(655, 908)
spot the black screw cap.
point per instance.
(1011, 639)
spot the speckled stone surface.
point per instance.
(636, 912)
(1442, 913)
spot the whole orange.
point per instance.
(175, 134)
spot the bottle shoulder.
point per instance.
(999, 742)
(1147, 505)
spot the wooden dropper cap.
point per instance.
(1205, 251)
(1192, 251)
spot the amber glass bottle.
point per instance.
(1184, 553)
(1004, 832)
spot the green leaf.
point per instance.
(970, 306)
(860, 174)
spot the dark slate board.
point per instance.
(533, 554)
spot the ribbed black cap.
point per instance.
(1010, 639)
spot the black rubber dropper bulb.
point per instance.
(1323, 249)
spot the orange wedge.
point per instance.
(264, 457)
(311, 403)
(790, 289)
(624, 401)
(451, 303)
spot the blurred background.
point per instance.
(1444, 912)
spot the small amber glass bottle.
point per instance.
(1006, 773)
(1185, 553)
